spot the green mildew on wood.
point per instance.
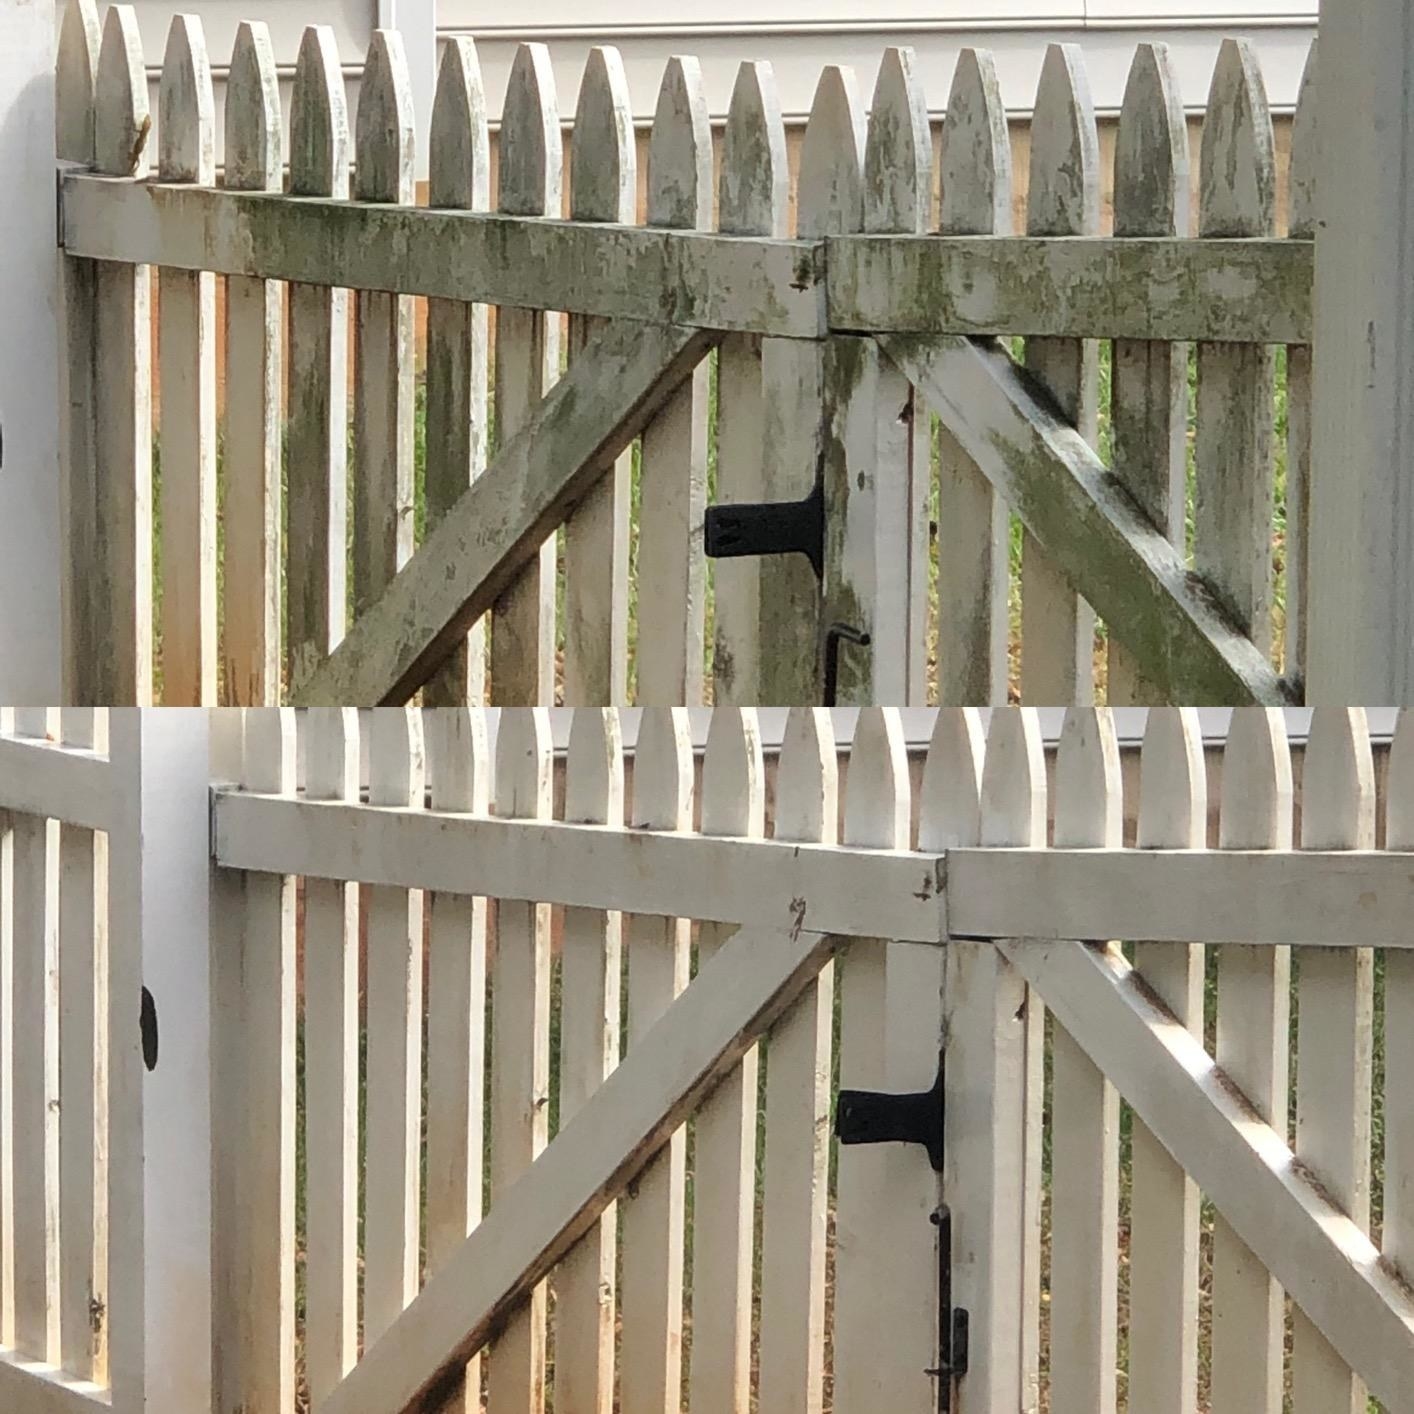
(1085, 520)
(1246, 291)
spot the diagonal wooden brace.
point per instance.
(1328, 1266)
(731, 1003)
(588, 418)
(1109, 550)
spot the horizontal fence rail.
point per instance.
(321, 383)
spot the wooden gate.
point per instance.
(104, 1109)
(834, 350)
(1130, 1213)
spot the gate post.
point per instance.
(1361, 601)
(160, 1341)
(29, 390)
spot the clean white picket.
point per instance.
(1089, 814)
(724, 1163)
(652, 1217)
(331, 1027)
(891, 1026)
(795, 1191)
(459, 763)
(1253, 1043)
(591, 961)
(1335, 1033)
(34, 1095)
(520, 1048)
(1013, 813)
(83, 1075)
(1164, 1217)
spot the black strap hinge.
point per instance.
(869, 1117)
(743, 528)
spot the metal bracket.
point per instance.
(869, 1117)
(744, 528)
(834, 636)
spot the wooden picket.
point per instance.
(840, 345)
(1075, 1260)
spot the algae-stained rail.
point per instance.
(414, 498)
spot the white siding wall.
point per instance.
(799, 37)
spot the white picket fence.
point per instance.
(105, 1291)
(522, 1074)
(839, 315)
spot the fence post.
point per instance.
(29, 391)
(1360, 642)
(160, 1190)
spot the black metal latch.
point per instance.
(872, 1117)
(743, 528)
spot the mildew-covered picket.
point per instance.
(842, 349)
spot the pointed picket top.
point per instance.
(1301, 169)
(458, 758)
(898, 149)
(1013, 803)
(680, 149)
(950, 814)
(830, 186)
(331, 756)
(755, 178)
(1063, 195)
(254, 137)
(319, 119)
(603, 150)
(523, 778)
(1173, 781)
(459, 140)
(975, 168)
(121, 121)
(1237, 170)
(186, 107)
(1089, 806)
(1256, 781)
(876, 788)
(1338, 781)
(397, 761)
(1399, 788)
(662, 770)
(529, 147)
(1151, 196)
(75, 74)
(268, 758)
(734, 775)
(808, 778)
(594, 768)
(383, 125)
